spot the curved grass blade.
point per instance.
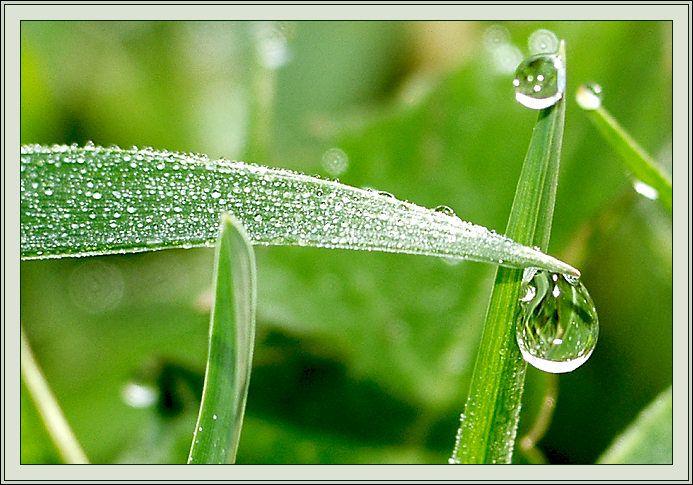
(648, 439)
(231, 338)
(488, 426)
(93, 200)
(633, 156)
(53, 418)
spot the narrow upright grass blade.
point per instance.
(93, 200)
(231, 339)
(489, 423)
(633, 156)
(648, 439)
(57, 426)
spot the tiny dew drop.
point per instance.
(542, 41)
(557, 326)
(540, 81)
(589, 96)
(335, 161)
(447, 210)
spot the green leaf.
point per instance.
(231, 340)
(492, 412)
(648, 439)
(93, 200)
(633, 156)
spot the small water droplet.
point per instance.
(272, 44)
(589, 96)
(558, 326)
(131, 210)
(645, 190)
(494, 36)
(444, 209)
(542, 41)
(505, 58)
(138, 396)
(540, 81)
(335, 161)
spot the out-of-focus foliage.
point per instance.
(648, 439)
(360, 357)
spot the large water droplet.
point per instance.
(589, 96)
(557, 328)
(540, 81)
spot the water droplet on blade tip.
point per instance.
(540, 81)
(589, 96)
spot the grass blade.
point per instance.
(231, 338)
(633, 156)
(93, 200)
(48, 407)
(489, 424)
(648, 439)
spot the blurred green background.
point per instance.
(360, 357)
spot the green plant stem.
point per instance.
(489, 423)
(634, 157)
(231, 340)
(48, 407)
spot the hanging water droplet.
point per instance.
(589, 96)
(557, 325)
(540, 81)
(542, 41)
